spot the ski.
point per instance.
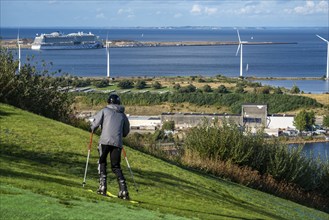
(108, 194)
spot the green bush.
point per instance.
(31, 89)
(126, 84)
(177, 86)
(229, 143)
(140, 84)
(206, 88)
(222, 89)
(168, 125)
(295, 90)
(156, 85)
(102, 83)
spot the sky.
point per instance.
(156, 13)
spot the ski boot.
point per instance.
(102, 180)
(123, 193)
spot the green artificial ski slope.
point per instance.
(42, 165)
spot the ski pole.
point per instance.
(89, 148)
(131, 172)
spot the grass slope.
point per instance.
(42, 168)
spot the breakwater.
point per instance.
(26, 43)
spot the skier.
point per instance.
(115, 125)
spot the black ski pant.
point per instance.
(115, 158)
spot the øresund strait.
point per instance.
(296, 53)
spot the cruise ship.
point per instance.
(59, 41)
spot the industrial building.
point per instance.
(253, 117)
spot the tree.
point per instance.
(188, 89)
(156, 85)
(304, 120)
(191, 88)
(265, 90)
(31, 89)
(325, 121)
(278, 90)
(125, 84)
(295, 90)
(177, 86)
(239, 89)
(140, 84)
(222, 89)
(168, 125)
(206, 88)
(101, 84)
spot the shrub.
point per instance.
(228, 143)
(188, 89)
(206, 88)
(278, 90)
(140, 84)
(177, 86)
(222, 89)
(239, 89)
(168, 125)
(156, 85)
(101, 84)
(295, 90)
(325, 121)
(31, 89)
(126, 84)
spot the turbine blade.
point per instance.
(237, 51)
(322, 38)
(238, 36)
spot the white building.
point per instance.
(281, 121)
(144, 122)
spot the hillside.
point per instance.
(41, 174)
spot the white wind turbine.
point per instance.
(107, 44)
(241, 52)
(327, 55)
(19, 53)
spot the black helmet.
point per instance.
(114, 99)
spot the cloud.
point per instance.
(100, 16)
(199, 10)
(129, 13)
(253, 8)
(210, 11)
(196, 10)
(310, 7)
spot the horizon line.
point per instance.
(181, 26)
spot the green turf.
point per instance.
(42, 168)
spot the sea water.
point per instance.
(306, 58)
(318, 150)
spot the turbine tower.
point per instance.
(241, 52)
(19, 53)
(107, 44)
(327, 55)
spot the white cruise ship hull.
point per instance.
(65, 47)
